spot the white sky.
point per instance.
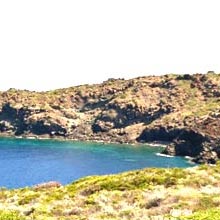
(46, 44)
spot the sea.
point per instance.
(26, 162)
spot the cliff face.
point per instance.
(181, 109)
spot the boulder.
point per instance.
(47, 185)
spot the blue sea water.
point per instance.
(25, 162)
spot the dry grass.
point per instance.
(142, 194)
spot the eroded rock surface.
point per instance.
(181, 109)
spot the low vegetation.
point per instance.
(151, 194)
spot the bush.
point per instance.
(10, 215)
(210, 214)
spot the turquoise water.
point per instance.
(28, 162)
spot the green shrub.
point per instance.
(210, 214)
(10, 215)
(27, 199)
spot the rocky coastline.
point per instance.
(182, 110)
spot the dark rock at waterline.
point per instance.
(210, 153)
(183, 148)
(184, 142)
(159, 133)
(202, 152)
(206, 157)
(47, 127)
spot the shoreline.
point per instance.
(160, 144)
(152, 144)
(37, 137)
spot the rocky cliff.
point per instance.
(183, 110)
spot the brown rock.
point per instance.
(47, 185)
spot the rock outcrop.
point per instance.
(183, 110)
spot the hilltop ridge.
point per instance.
(183, 110)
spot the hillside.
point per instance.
(148, 194)
(183, 110)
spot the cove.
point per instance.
(25, 162)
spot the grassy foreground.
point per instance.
(151, 194)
